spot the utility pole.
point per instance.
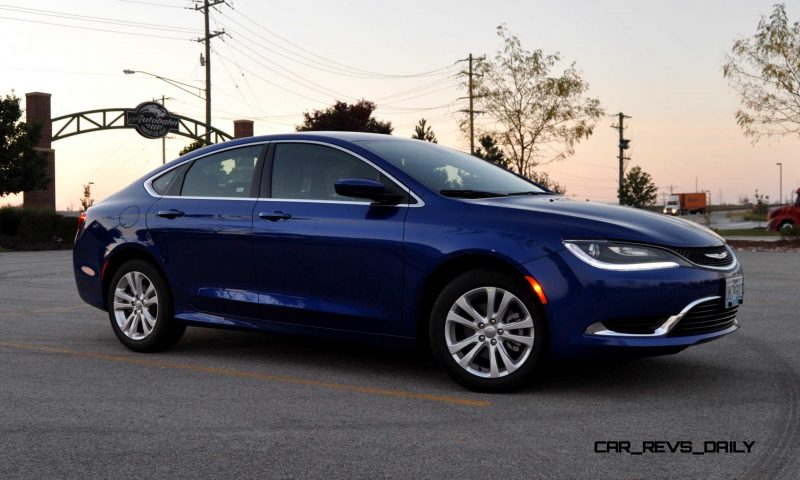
(206, 9)
(780, 183)
(471, 111)
(624, 144)
(164, 138)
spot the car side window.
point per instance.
(162, 184)
(227, 174)
(308, 172)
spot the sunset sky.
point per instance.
(659, 62)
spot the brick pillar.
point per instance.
(242, 128)
(37, 110)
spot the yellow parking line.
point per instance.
(43, 310)
(227, 372)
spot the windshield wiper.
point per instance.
(470, 193)
(530, 192)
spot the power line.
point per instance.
(79, 27)
(101, 20)
(152, 4)
(347, 67)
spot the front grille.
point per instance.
(706, 317)
(699, 256)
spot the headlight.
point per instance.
(622, 256)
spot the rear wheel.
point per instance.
(488, 331)
(140, 308)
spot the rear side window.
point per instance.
(309, 172)
(162, 184)
(227, 174)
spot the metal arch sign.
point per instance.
(151, 120)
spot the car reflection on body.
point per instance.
(380, 239)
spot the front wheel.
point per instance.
(488, 331)
(140, 308)
(786, 227)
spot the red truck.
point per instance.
(785, 218)
(683, 203)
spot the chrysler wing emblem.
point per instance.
(718, 256)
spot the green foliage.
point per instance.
(490, 151)
(761, 207)
(31, 226)
(342, 117)
(423, 131)
(10, 218)
(765, 71)
(87, 200)
(192, 146)
(536, 117)
(21, 167)
(638, 189)
(543, 179)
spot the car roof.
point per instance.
(346, 136)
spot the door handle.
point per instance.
(171, 213)
(275, 216)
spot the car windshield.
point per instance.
(450, 172)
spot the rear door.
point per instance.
(203, 228)
(324, 260)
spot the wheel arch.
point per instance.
(446, 271)
(120, 256)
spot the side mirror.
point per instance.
(366, 188)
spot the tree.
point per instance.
(22, 168)
(536, 117)
(638, 189)
(490, 151)
(765, 72)
(543, 179)
(87, 200)
(192, 147)
(345, 118)
(423, 131)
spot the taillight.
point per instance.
(81, 220)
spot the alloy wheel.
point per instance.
(135, 305)
(489, 332)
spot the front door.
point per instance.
(322, 259)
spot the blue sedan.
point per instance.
(383, 239)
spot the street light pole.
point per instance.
(172, 82)
(780, 182)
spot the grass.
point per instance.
(5, 250)
(748, 232)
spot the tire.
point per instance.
(481, 337)
(140, 308)
(786, 226)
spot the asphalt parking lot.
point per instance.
(75, 403)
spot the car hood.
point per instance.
(611, 221)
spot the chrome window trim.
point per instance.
(149, 188)
(149, 180)
(420, 202)
(600, 330)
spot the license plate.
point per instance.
(734, 291)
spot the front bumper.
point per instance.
(591, 310)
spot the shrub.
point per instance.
(37, 226)
(10, 218)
